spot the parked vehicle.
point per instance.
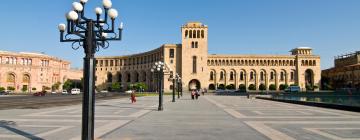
(64, 92)
(293, 89)
(41, 93)
(75, 91)
(104, 91)
(129, 91)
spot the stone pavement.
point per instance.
(209, 118)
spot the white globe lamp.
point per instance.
(62, 27)
(72, 15)
(77, 6)
(98, 11)
(107, 4)
(113, 13)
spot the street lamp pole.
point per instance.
(159, 69)
(173, 96)
(91, 35)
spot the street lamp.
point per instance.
(159, 68)
(173, 77)
(91, 35)
(178, 78)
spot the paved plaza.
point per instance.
(209, 118)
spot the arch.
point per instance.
(194, 33)
(211, 87)
(309, 77)
(26, 78)
(186, 33)
(109, 77)
(137, 77)
(272, 74)
(292, 75)
(202, 34)
(222, 75)
(242, 75)
(11, 77)
(282, 75)
(262, 75)
(190, 34)
(232, 75)
(314, 62)
(252, 74)
(119, 77)
(194, 84)
(128, 77)
(212, 75)
(198, 34)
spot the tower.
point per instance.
(194, 55)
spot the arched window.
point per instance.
(194, 33)
(221, 75)
(196, 44)
(212, 75)
(119, 78)
(272, 75)
(190, 34)
(202, 34)
(282, 76)
(231, 75)
(192, 44)
(242, 76)
(186, 33)
(194, 64)
(292, 75)
(128, 77)
(198, 34)
(262, 76)
(10, 78)
(252, 75)
(26, 78)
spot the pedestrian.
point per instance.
(203, 91)
(133, 97)
(197, 94)
(193, 94)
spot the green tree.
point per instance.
(242, 87)
(116, 86)
(24, 89)
(56, 86)
(140, 86)
(231, 86)
(68, 85)
(2, 89)
(283, 86)
(272, 87)
(10, 88)
(252, 87)
(262, 87)
(221, 86)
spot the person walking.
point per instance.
(133, 97)
(193, 94)
(203, 91)
(197, 94)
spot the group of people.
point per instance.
(196, 93)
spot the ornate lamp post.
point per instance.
(178, 81)
(159, 68)
(174, 78)
(91, 35)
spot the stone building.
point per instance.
(346, 73)
(28, 71)
(198, 69)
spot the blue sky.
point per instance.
(330, 27)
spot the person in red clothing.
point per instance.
(133, 97)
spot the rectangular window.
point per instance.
(172, 53)
(194, 64)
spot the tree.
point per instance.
(252, 87)
(272, 87)
(116, 86)
(10, 88)
(283, 86)
(140, 86)
(68, 85)
(221, 86)
(56, 86)
(242, 87)
(24, 89)
(2, 89)
(262, 87)
(231, 86)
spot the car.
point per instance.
(41, 93)
(129, 91)
(53, 92)
(293, 89)
(104, 91)
(75, 91)
(64, 92)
